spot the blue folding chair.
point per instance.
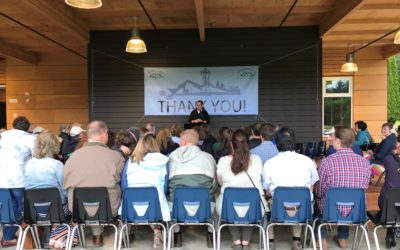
(7, 216)
(292, 206)
(345, 207)
(191, 206)
(390, 217)
(241, 207)
(140, 206)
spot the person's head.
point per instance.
(206, 130)
(21, 123)
(151, 128)
(163, 138)
(225, 137)
(285, 139)
(147, 144)
(175, 130)
(199, 105)
(255, 130)
(189, 137)
(267, 132)
(46, 145)
(143, 131)
(135, 133)
(38, 129)
(343, 138)
(240, 152)
(76, 130)
(64, 128)
(124, 137)
(83, 138)
(97, 132)
(386, 128)
(360, 126)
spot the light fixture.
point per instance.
(84, 4)
(349, 65)
(397, 38)
(135, 43)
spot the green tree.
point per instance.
(393, 90)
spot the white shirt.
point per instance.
(290, 169)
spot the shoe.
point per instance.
(245, 247)
(210, 243)
(97, 241)
(236, 247)
(158, 240)
(178, 239)
(325, 245)
(272, 245)
(390, 242)
(8, 243)
(296, 245)
(342, 243)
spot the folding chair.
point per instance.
(140, 206)
(7, 216)
(320, 149)
(191, 206)
(345, 207)
(292, 206)
(241, 207)
(43, 208)
(91, 207)
(309, 149)
(390, 217)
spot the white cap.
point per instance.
(76, 131)
(330, 131)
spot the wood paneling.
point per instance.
(289, 88)
(53, 92)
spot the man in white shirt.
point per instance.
(289, 169)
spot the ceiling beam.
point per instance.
(16, 52)
(200, 18)
(381, 6)
(369, 21)
(62, 15)
(390, 50)
(342, 10)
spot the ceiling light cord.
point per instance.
(374, 41)
(147, 14)
(288, 13)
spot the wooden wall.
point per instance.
(289, 83)
(53, 92)
(369, 85)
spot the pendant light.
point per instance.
(84, 4)
(349, 65)
(397, 38)
(135, 43)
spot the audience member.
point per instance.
(240, 169)
(387, 145)
(124, 143)
(255, 135)
(37, 130)
(64, 131)
(289, 169)
(165, 143)
(342, 169)
(266, 150)
(175, 131)
(16, 148)
(223, 146)
(207, 137)
(148, 167)
(363, 137)
(151, 128)
(69, 144)
(95, 165)
(189, 166)
(331, 150)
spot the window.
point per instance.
(337, 101)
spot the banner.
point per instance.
(224, 90)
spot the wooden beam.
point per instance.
(62, 15)
(372, 21)
(200, 18)
(16, 52)
(381, 6)
(359, 32)
(342, 10)
(390, 50)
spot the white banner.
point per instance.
(224, 90)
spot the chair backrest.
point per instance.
(291, 204)
(391, 207)
(7, 215)
(91, 206)
(191, 204)
(141, 204)
(43, 207)
(320, 149)
(241, 205)
(309, 149)
(345, 205)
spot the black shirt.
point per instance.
(203, 114)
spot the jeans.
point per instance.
(342, 231)
(17, 198)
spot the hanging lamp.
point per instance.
(397, 38)
(349, 65)
(135, 43)
(84, 4)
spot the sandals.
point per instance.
(158, 240)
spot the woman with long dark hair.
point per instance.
(239, 169)
(222, 146)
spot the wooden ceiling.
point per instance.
(29, 28)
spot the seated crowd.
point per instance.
(262, 156)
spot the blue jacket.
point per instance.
(384, 148)
(363, 138)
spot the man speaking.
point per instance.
(198, 116)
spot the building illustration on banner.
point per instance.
(189, 87)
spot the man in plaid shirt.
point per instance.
(342, 169)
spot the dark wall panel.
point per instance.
(289, 74)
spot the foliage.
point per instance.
(337, 111)
(393, 89)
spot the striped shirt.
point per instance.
(342, 169)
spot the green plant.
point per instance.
(393, 89)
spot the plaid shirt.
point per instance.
(342, 169)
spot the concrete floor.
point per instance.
(195, 238)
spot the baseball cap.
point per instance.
(76, 131)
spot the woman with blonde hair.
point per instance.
(148, 167)
(165, 142)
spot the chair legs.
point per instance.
(124, 235)
(264, 244)
(82, 235)
(171, 229)
(307, 226)
(365, 233)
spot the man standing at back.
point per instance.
(16, 148)
(191, 167)
(95, 165)
(341, 169)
